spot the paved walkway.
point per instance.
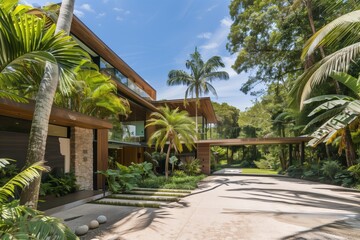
(235, 207)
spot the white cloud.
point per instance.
(79, 13)
(118, 18)
(205, 35)
(100, 15)
(209, 46)
(126, 12)
(211, 8)
(87, 7)
(226, 22)
(217, 40)
(105, 1)
(171, 92)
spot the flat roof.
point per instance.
(205, 109)
(254, 141)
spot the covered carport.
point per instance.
(204, 154)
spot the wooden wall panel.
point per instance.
(203, 153)
(14, 145)
(102, 155)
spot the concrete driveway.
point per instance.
(236, 207)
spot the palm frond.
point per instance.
(21, 222)
(349, 114)
(349, 81)
(324, 116)
(21, 180)
(334, 31)
(338, 62)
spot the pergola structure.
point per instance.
(203, 146)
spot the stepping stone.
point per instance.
(134, 203)
(162, 190)
(170, 194)
(144, 197)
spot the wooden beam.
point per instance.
(59, 116)
(254, 141)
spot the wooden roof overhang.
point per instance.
(254, 141)
(206, 109)
(85, 35)
(59, 116)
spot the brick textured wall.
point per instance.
(82, 157)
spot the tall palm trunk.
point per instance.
(44, 101)
(167, 162)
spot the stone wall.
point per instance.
(82, 157)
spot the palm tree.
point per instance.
(342, 30)
(22, 222)
(173, 128)
(43, 52)
(198, 82)
(339, 112)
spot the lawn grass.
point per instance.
(188, 182)
(258, 171)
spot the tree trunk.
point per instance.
(39, 129)
(167, 162)
(65, 16)
(349, 150)
(196, 118)
(43, 104)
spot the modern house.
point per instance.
(82, 144)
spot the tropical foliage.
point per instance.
(308, 66)
(21, 222)
(94, 94)
(199, 80)
(174, 129)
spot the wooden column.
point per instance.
(302, 153)
(102, 156)
(203, 153)
(290, 155)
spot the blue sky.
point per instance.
(156, 36)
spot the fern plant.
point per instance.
(22, 222)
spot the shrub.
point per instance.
(59, 185)
(121, 179)
(330, 168)
(312, 171)
(344, 178)
(143, 169)
(179, 173)
(262, 164)
(295, 171)
(192, 167)
(174, 182)
(355, 171)
(270, 162)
